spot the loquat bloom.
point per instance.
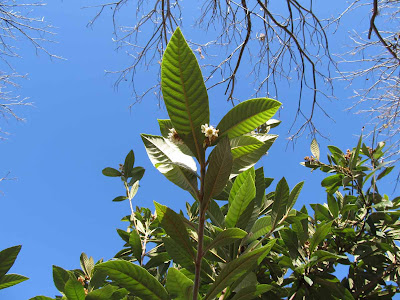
(210, 132)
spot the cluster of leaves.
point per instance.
(7, 259)
(240, 239)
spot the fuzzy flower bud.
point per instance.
(174, 137)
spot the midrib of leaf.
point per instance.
(188, 111)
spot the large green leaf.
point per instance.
(242, 192)
(252, 292)
(7, 258)
(178, 285)
(129, 162)
(215, 214)
(319, 235)
(261, 227)
(60, 278)
(237, 268)
(248, 156)
(104, 293)
(173, 225)
(135, 279)
(281, 200)
(244, 144)
(181, 257)
(10, 280)
(226, 237)
(74, 290)
(185, 93)
(178, 254)
(218, 171)
(158, 259)
(247, 116)
(170, 161)
(136, 244)
(294, 194)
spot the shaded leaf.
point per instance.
(136, 245)
(7, 258)
(252, 292)
(174, 227)
(218, 171)
(120, 198)
(60, 278)
(281, 200)
(236, 268)
(111, 172)
(319, 235)
(129, 162)
(10, 280)
(226, 237)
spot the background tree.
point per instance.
(286, 40)
(18, 24)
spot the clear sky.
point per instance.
(60, 203)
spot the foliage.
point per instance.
(7, 259)
(239, 238)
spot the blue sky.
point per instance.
(60, 203)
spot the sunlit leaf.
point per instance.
(184, 93)
(178, 285)
(135, 279)
(247, 116)
(74, 290)
(164, 154)
(315, 148)
(250, 157)
(10, 280)
(242, 192)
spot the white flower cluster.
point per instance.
(210, 132)
(174, 137)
